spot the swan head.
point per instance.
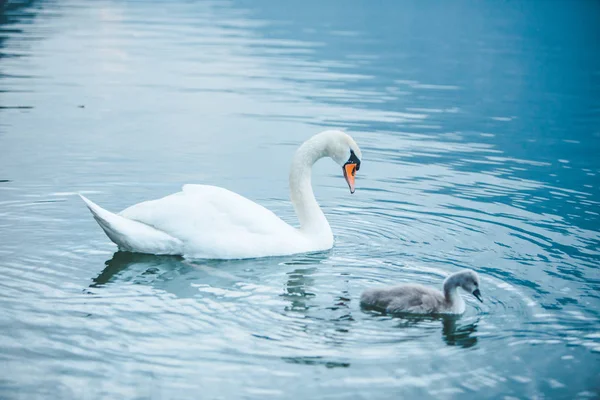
(345, 152)
(468, 281)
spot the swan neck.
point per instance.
(307, 209)
(451, 291)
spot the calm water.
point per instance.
(480, 128)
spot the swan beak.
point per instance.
(349, 172)
(477, 294)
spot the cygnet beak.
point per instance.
(349, 172)
(477, 294)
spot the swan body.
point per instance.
(205, 221)
(419, 299)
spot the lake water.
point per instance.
(479, 124)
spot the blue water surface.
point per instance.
(479, 124)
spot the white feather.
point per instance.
(205, 221)
(131, 235)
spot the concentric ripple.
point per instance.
(479, 145)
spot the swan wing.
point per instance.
(213, 222)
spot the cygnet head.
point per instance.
(467, 280)
(343, 150)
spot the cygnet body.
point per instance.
(419, 299)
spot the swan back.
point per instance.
(210, 219)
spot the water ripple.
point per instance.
(469, 162)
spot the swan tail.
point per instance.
(130, 235)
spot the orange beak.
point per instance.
(349, 172)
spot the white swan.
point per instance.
(211, 222)
(419, 299)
